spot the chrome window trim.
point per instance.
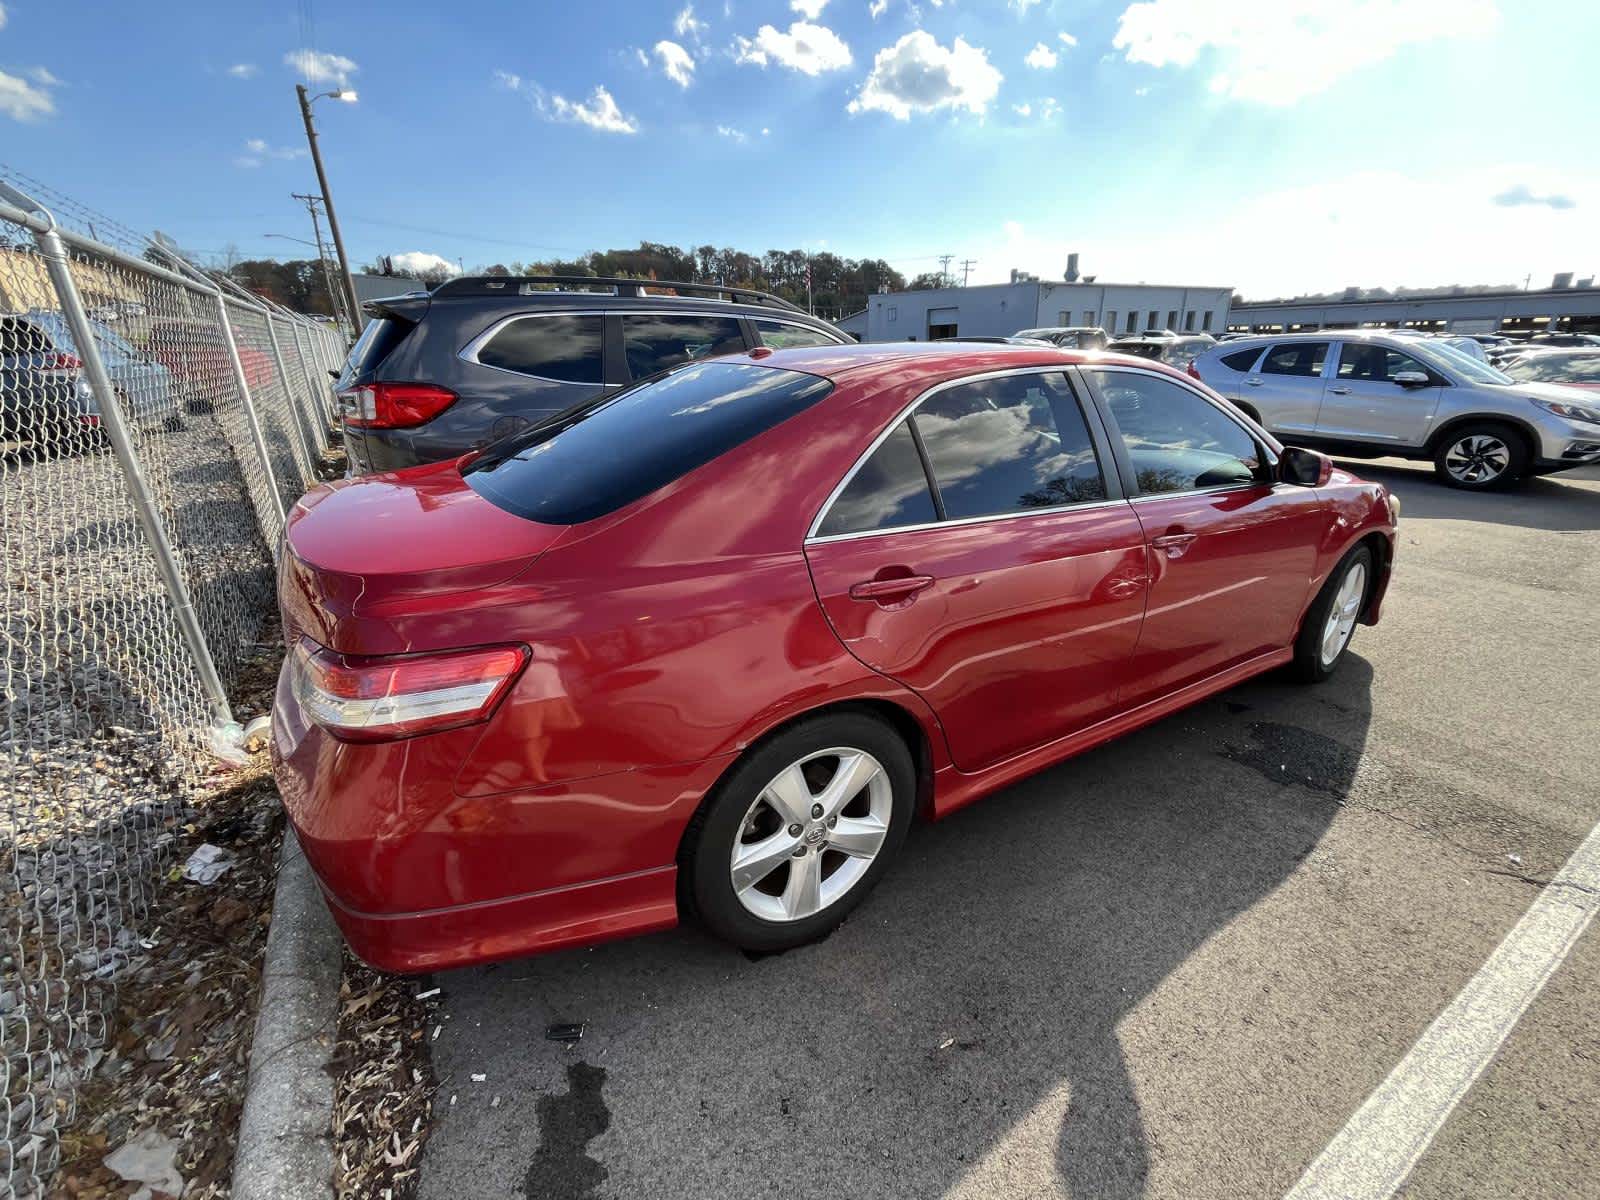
(469, 352)
(1062, 369)
(755, 323)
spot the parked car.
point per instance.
(1069, 337)
(196, 354)
(1371, 393)
(436, 374)
(1173, 349)
(1564, 339)
(1570, 368)
(46, 401)
(711, 645)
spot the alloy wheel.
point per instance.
(811, 834)
(1344, 612)
(1478, 458)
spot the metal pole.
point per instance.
(315, 409)
(327, 198)
(112, 421)
(305, 438)
(250, 413)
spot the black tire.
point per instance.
(1310, 662)
(705, 867)
(1483, 456)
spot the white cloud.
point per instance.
(258, 150)
(644, 59)
(24, 101)
(685, 25)
(809, 49)
(917, 74)
(1067, 39)
(600, 111)
(809, 9)
(1049, 109)
(877, 8)
(675, 61)
(1280, 51)
(1022, 110)
(2, 16)
(1022, 6)
(243, 70)
(509, 80)
(1041, 57)
(732, 134)
(318, 66)
(420, 262)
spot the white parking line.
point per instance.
(1371, 1156)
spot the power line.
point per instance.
(944, 268)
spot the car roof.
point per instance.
(930, 360)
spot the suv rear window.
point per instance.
(376, 343)
(1241, 360)
(608, 455)
(563, 347)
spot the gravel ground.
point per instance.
(1172, 967)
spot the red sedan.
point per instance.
(713, 643)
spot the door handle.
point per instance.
(885, 591)
(1254, 382)
(1339, 391)
(1175, 544)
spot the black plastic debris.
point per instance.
(565, 1031)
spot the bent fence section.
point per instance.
(156, 425)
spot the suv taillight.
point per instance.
(378, 699)
(394, 405)
(1194, 371)
(58, 361)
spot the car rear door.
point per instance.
(1231, 552)
(1363, 401)
(982, 555)
(1286, 385)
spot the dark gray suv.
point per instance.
(436, 374)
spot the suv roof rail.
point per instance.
(499, 285)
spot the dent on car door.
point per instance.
(982, 556)
(1231, 551)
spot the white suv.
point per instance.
(1368, 394)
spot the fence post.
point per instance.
(288, 394)
(58, 264)
(256, 435)
(313, 396)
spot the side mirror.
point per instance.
(1304, 468)
(1412, 378)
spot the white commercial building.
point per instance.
(1001, 309)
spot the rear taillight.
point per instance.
(394, 405)
(374, 699)
(1194, 371)
(59, 362)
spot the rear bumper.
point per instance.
(420, 877)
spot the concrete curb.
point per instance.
(285, 1149)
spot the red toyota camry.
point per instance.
(712, 644)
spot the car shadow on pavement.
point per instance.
(1550, 502)
(959, 1035)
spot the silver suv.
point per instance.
(1367, 394)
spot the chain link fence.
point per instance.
(155, 427)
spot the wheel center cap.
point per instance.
(815, 834)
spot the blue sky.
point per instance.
(1275, 145)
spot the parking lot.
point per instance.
(1171, 967)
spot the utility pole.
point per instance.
(944, 269)
(336, 298)
(327, 198)
(966, 269)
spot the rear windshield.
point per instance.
(608, 454)
(376, 343)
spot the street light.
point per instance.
(348, 96)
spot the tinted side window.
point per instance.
(1008, 445)
(1295, 358)
(564, 347)
(780, 335)
(1241, 360)
(889, 490)
(1178, 441)
(1363, 360)
(612, 453)
(655, 343)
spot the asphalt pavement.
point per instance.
(1172, 967)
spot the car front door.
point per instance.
(1231, 551)
(1379, 394)
(983, 556)
(1286, 386)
